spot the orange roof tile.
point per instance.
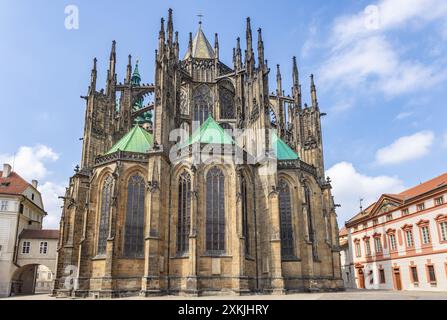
(14, 184)
(425, 187)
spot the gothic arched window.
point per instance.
(203, 102)
(310, 223)
(245, 222)
(215, 211)
(106, 199)
(183, 212)
(285, 209)
(226, 98)
(134, 227)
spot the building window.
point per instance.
(106, 198)
(382, 276)
(134, 227)
(378, 245)
(405, 212)
(431, 273)
(215, 211)
(365, 225)
(393, 243)
(414, 274)
(203, 102)
(43, 247)
(4, 205)
(375, 222)
(26, 247)
(183, 213)
(245, 222)
(443, 227)
(226, 103)
(32, 196)
(367, 247)
(358, 251)
(420, 207)
(389, 217)
(425, 235)
(439, 201)
(285, 212)
(409, 238)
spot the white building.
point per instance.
(21, 211)
(347, 265)
(400, 241)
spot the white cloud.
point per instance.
(361, 53)
(404, 115)
(406, 148)
(349, 186)
(30, 162)
(445, 140)
(50, 194)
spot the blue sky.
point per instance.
(380, 68)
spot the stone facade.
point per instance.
(185, 90)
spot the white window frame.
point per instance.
(26, 247)
(409, 239)
(43, 249)
(425, 232)
(393, 242)
(4, 205)
(443, 227)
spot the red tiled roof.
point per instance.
(14, 184)
(343, 232)
(425, 187)
(39, 234)
(408, 194)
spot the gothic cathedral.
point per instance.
(154, 209)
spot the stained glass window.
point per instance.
(215, 211)
(203, 102)
(285, 209)
(106, 198)
(183, 213)
(134, 228)
(226, 103)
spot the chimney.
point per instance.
(6, 170)
(34, 183)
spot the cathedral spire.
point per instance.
(216, 46)
(278, 81)
(238, 53)
(161, 37)
(129, 69)
(260, 48)
(249, 61)
(93, 76)
(313, 92)
(111, 75)
(296, 89)
(170, 28)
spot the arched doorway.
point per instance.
(23, 280)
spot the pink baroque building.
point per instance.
(400, 241)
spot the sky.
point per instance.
(380, 68)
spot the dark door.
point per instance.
(361, 279)
(397, 280)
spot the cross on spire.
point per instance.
(200, 16)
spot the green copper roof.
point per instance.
(136, 140)
(136, 78)
(282, 150)
(209, 132)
